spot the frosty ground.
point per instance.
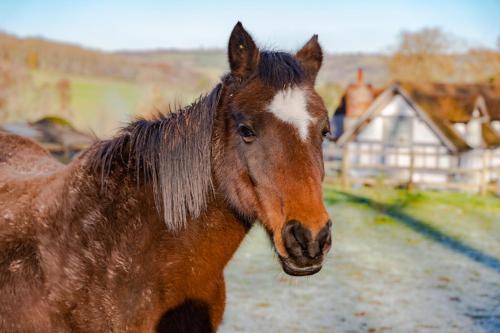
(401, 262)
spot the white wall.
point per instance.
(373, 131)
(397, 107)
(472, 159)
(461, 128)
(424, 140)
(430, 178)
(495, 157)
(496, 125)
(422, 134)
(473, 135)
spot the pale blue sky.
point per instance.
(343, 26)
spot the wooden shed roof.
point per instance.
(51, 132)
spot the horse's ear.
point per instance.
(242, 52)
(311, 57)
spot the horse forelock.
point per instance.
(171, 153)
(280, 69)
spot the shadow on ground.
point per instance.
(490, 323)
(428, 231)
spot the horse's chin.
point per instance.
(290, 268)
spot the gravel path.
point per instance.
(382, 276)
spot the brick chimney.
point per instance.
(360, 75)
(359, 96)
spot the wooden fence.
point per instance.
(399, 171)
(403, 168)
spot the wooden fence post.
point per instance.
(345, 166)
(411, 170)
(483, 185)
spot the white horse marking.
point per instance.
(290, 106)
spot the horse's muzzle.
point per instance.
(305, 253)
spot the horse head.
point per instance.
(270, 164)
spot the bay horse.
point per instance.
(134, 234)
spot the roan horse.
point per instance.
(134, 234)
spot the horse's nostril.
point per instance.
(300, 235)
(324, 237)
(296, 239)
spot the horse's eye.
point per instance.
(325, 132)
(247, 133)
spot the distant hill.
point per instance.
(43, 54)
(152, 65)
(99, 90)
(337, 68)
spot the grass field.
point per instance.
(401, 262)
(97, 104)
(101, 104)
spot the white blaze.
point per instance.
(290, 106)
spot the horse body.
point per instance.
(127, 278)
(25, 170)
(134, 234)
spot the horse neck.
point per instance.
(212, 237)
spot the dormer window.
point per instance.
(461, 128)
(496, 126)
(473, 133)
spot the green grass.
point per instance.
(97, 104)
(403, 198)
(470, 218)
(102, 104)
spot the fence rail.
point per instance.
(395, 166)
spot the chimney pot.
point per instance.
(360, 75)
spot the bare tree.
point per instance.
(424, 55)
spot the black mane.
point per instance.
(280, 69)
